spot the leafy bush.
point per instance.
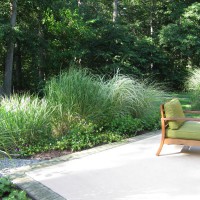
(5, 186)
(25, 119)
(6, 141)
(8, 191)
(78, 94)
(73, 142)
(79, 111)
(193, 85)
(195, 99)
(151, 121)
(126, 125)
(193, 82)
(82, 135)
(79, 141)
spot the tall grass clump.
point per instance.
(6, 144)
(79, 94)
(76, 95)
(193, 86)
(131, 96)
(24, 119)
(138, 100)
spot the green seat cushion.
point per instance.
(173, 108)
(189, 130)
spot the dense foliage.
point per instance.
(9, 191)
(79, 111)
(158, 39)
(41, 40)
(193, 86)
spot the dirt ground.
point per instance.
(51, 154)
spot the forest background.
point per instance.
(141, 38)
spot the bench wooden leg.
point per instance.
(160, 147)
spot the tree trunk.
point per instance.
(152, 13)
(18, 69)
(7, 83)
(115, 10)
(79, 3)
(41, 53)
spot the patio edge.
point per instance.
(37, 191)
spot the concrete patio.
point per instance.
(123, 171)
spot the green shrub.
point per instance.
(193, 86)
(195, 100)
(8, 191)
(25, 119)
(78, 94)
(132, 97)
(84, 135)
(6, 142)
(79, 111)
(5, 186)
(74, 141)
(17, 195)
(151, 121)
(126, 125)
(80, 141)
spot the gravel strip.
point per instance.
(6, 164)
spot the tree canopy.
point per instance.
(158, 39)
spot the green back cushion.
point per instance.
(173, 108)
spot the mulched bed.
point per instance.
(51, 154)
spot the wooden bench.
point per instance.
(176, 128)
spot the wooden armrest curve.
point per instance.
(180, 119)
(192, 111)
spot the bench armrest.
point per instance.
(192, 111)
(180, 119)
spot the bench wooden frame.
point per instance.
(164, 126)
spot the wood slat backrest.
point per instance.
(162, 111)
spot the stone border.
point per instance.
(38, 191)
